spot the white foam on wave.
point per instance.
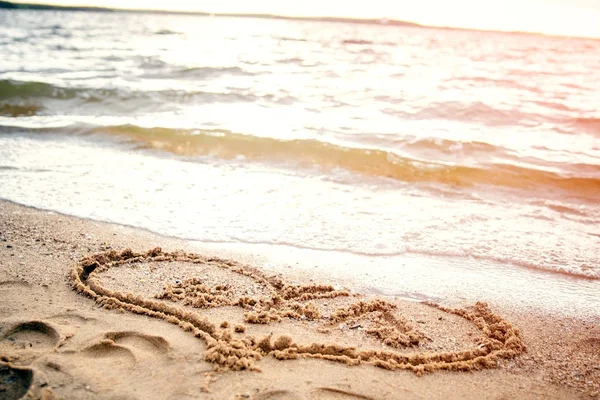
(221, 201)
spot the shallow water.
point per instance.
(448, 147)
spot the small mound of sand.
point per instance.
(380, 321)
(193, 292)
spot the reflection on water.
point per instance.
(457, 148)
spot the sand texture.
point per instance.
(99, 311)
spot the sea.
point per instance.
(417, 162)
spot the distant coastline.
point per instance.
(36, 6)
(366, 21)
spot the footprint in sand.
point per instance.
(14, 382)
(31, 335)
(109, 350)
(139, 341)
(130, 347)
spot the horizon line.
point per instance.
(17, 5)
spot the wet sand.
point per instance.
(97, 311)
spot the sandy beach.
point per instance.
(283, 202)
(93, 310)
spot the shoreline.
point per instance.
(409, 276)
(39, 248)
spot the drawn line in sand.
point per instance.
(499, 339)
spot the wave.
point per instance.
(10, 89)
(450, 146)
(587, 124)
(210, 72)
(471, 112)
(554, 105)
(289, 39)
(33, 91)
(291, 60)
(370, 162)
(166, 32)
(563, 208)
(19, 110)
(166, 72)
(505, 83)
(356, 41)
(151, 63)
(367, 42)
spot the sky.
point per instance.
(561, 17)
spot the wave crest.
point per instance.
(10, 90)
(370, 162)
(211, 72)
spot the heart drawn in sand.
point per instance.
(279, 300)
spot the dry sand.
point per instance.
(82, 317)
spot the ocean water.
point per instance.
(426, 162)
